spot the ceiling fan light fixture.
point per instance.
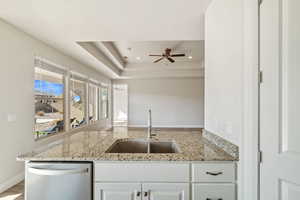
(167, 55)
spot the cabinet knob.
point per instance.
(145, 194)
(138, 194)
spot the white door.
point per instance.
(165, 191)
(280, 99)
(117, 191)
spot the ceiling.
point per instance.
(138, 52)
(63, 23)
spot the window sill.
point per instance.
(59, 135)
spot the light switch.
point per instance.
(11, 117)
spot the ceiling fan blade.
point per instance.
(170, 59)
(178, 55)
(154, 55)
(158, 60)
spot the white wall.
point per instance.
(224, 69)
(17, 95)
(175, 102)
(249, 142)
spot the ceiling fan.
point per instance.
(167, 55)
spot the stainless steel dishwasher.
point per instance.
(58, 181)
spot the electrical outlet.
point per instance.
(11, 117)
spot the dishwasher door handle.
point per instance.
(56, 172)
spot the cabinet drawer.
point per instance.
(132, 172)
(213, 191)
(222, 172)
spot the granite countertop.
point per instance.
(92, 145)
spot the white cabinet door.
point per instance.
(213, 191)
(117, 191)
(165, 191)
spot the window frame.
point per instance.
(51, 67)
(101, 103)
(75, 77)
(96, 101)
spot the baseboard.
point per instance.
(167, 128)
(11, 182)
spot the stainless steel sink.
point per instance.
(143, 146)
(128, 146)
(164, 147)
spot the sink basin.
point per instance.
(143, 146)
(128, 146)
(163, 147)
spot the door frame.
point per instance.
(249, 151)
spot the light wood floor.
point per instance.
(14, 193)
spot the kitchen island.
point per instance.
(199, 169)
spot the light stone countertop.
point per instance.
(91, 146)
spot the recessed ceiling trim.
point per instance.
(163, 73)
(110, 50)
(100, 56)
(140, 51)
(173, 66)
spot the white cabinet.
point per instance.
(146, 191)
(213, 181)
(165, 181)
(117, 191)
(166, 191)
(213, 192)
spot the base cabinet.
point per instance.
(165, 181)
(145, 191)
(213, 191)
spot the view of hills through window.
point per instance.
(49, 102)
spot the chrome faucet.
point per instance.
(150, 134)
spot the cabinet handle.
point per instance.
(138, 194)
(214, 174)
(213, 199)
(55, 172)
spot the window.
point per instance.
(104, 102)
(77, 102)
(93, 103)
(86, 100)
(49, 102)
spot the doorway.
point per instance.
(120, 105)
